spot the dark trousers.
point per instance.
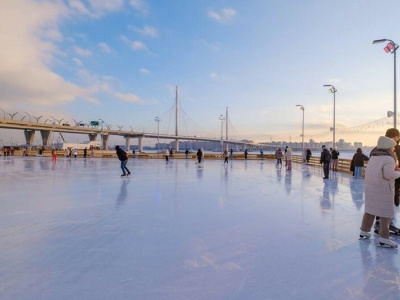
(396, 191)
(326, 169)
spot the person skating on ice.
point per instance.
(124, 160)
(379, 191)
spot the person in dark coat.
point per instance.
(278, 156)
(308, 155)
(325, 160)
(124, 160)
(358, 161)
(245, 154)
(199, 155)
(335, 157)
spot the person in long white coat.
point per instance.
(379, 190)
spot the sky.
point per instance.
(121, 60)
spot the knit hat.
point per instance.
(392, 132)
(385, 143)
(323, 146)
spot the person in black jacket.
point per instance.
(325, 160)
(124, 160)
(358, 162)
(335, 157)
(308, 155)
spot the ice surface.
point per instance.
(76, 230)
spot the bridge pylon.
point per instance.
(29, 136)
(45, 137)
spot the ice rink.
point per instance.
(75, 229)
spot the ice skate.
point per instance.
(394, 230)
(364, 235)
(387, 243)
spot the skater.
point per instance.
(199, 156)
(335, 157)
(231, 153)
(262, 154)
(54, 155)
(226, 156)
(167, 154)
(187, 154)
(379, 185)
(85, 152)
(393, 134)
(308, 155)
(75, 152)
(358, 162)
(133, 153)
(278, 156)
(124, 160)
(325, 160)
(285, 155)
(245, 154)
(289, 158)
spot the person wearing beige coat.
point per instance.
(379, 191)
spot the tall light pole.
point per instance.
(222, 119)
(333, 91)
(391, 47)
(302, 130)
(157, 119)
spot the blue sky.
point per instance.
(120, 61)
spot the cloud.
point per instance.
(128, 97)
(144, 71)
(77, 61)
(135, 45)
(79, 7)
(95, 8)
(82, 52)
(28, 35)
(139, 5)
(213, 75)
(104, 6)
(104, 47)
(223, 16)
(147, 31)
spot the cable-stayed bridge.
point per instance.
(31, 124)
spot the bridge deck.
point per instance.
(76, 230)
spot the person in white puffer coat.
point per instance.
(379, 191)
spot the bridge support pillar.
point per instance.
(127, 144)
(45, 137)
(92, 137)
(176, 145)
(104, 140)
(29, 136)
(140, 144)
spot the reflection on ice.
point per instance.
(181, 230)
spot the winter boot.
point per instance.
(386, 243)
(364, 235)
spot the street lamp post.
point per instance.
(222, 119)
(391, 47)
(302, 131)
(157, 119)
(333, 91)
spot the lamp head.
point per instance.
(379, 41)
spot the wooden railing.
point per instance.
(343, 164)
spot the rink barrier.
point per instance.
(343, 164)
